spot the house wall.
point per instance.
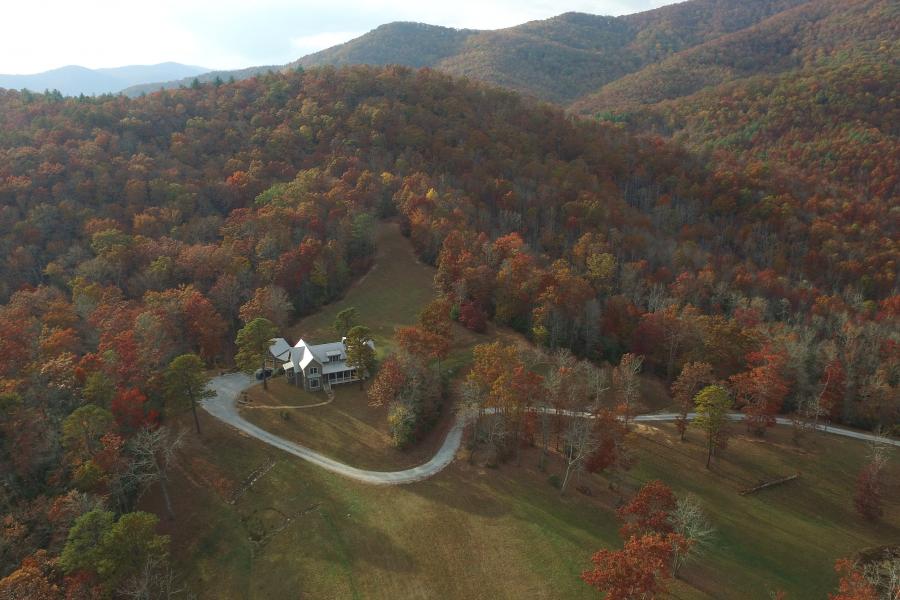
(313, 372)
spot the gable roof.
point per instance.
(279, 348)
(302, 354)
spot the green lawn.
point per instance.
(347, 429)
(473, 532)
(390, 295)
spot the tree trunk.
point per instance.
(196, 420)
(194, 411)
(163, 485)
(562, 488)
(709, 452)
(265, 379)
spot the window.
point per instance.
(313, 383)
(314, 370)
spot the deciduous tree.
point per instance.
(345, 321)
(360, 354)
(712, 404)
(639, 570)
(693, 378)
(648, 511)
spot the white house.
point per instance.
(314, 367)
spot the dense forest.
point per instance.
(138, 231)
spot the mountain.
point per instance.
(788, 40)
(410, 44)
(559, 59)
(809, 95)
(74, 80)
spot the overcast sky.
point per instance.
(36, 35)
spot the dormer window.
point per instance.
(334, 357)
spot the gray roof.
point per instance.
(302, 354)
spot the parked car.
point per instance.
(263, 374)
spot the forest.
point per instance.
(135, 232)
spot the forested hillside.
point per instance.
(134, 231)
(793, 39)
(558, 59)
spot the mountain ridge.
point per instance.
(558, 59)
(72, 80)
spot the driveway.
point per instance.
(223, 406)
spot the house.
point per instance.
(315, 367)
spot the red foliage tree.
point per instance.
(610, 433)
(649, 511)
(129, 407)
(472, 316)
(638, 570)
(423, 344)
(387, 384)
(853, 584)
(761, 391)
(867, 499)
(693, 378)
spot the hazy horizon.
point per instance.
(229, 34)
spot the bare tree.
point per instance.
(598, 383)
(689, 520)
(580, 443)
(627, 384)
(497, 432)
(471, 406)
(153, 450)
(155, 581)
(884, 575)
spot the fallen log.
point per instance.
(768, 484)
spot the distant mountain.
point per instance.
(74, 80)
(206, 77)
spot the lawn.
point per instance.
(347, 429)
(470, 532)
(253, 522)
(388, 296)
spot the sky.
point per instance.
(37, 35)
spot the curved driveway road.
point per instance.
(223, 406)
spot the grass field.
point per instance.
(390, 295)
(347, 429)
(472, 532)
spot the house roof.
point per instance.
(279, 348)
(302, 354)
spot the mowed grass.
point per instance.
(472, 532)
(388, 296)
(347, 429)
